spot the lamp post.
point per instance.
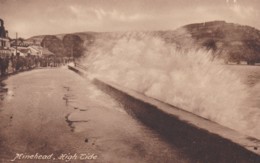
(72, 55)
(16, 34)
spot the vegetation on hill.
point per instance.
(232, 42)
(73, 45)
(53, 44)
(70, 45)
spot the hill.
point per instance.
(232, 42)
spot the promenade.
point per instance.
(57, 113)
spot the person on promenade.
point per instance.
(6, 64)
(1, 65)
(18, 62)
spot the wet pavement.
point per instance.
(56, 113)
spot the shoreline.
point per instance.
(203, 136)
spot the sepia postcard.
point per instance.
(130, 81)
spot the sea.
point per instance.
(189, 79)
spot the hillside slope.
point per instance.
(232, 42)
(235, 42)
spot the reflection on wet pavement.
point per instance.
(56, 111)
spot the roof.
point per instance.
(36, 50)
(26, 51)
(46, 52)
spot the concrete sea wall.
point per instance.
(197, 138)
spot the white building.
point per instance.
(4, 40)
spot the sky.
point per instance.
(37, 17)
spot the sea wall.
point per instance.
(197, 138)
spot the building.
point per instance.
(4, 40)
(47, 53)
(19, 46)
(36, 50)
(22, 51)
(33, 42)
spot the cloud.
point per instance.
(230, 1)
(242, 9)
(244, 12)
(100, 13)
(74, 9)
(63, 16)
(116, 15)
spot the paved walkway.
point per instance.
(54, 111)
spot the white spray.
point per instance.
(191, 80)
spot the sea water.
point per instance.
(190, 79)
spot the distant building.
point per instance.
(4, 40)
(47, 53)
(29, 50)
(36, 50)
(22, 51)
(20, 42)
(33, 42)
(25, 47)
